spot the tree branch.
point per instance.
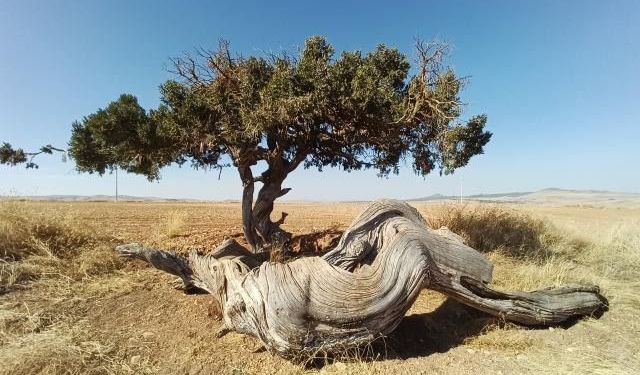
(11, 156)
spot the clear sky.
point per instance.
(559, 81)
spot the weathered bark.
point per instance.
(269, 231)
(362, 288)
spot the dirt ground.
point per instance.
(133, 320)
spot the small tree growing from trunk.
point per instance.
(354, 111)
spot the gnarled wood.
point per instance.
(362, 288)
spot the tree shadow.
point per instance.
(446, 327)
(420, 335)
(438, 331)
(417, 335)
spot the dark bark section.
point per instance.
(248, 227)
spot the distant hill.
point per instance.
(548, 196)
(99, 198)
(437, 197)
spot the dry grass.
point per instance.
(36, 245)
(359, 356)
(24, 232)
(32, 344)
(515, 233)
(487, 227)
(505, 337)
(58, 273)
(48, 253)
(175, 224)
(536, 247)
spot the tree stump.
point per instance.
(362, 288)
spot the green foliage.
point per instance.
(14, 156)
(11, 156)
(123, 135)
(356, 110)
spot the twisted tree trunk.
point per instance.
(269, 231)
(259, 230)
(362, 288)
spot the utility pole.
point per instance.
(116, 184)
(461, 189)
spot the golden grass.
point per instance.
(536, 247)
(24, 232)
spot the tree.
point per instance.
(353, 111)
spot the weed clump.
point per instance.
(176, 224)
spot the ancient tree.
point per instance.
(362, 288)
(279, 112)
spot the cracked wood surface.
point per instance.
(362, 288)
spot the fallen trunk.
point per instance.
(361, 289)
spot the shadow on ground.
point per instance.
(435, 332)
(421, 335)
(418, 335)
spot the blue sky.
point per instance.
(559, 81)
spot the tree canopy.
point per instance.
(354, 110)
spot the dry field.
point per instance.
(69, 305)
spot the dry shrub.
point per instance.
(35, 245)
(175, 224)
(24, 233)
(515, 274)
(531, 253)
(352, 359)
(11, 273)
(488, 227)
(14, 273)
(17, 320)
(99, 261)
(511, 232)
